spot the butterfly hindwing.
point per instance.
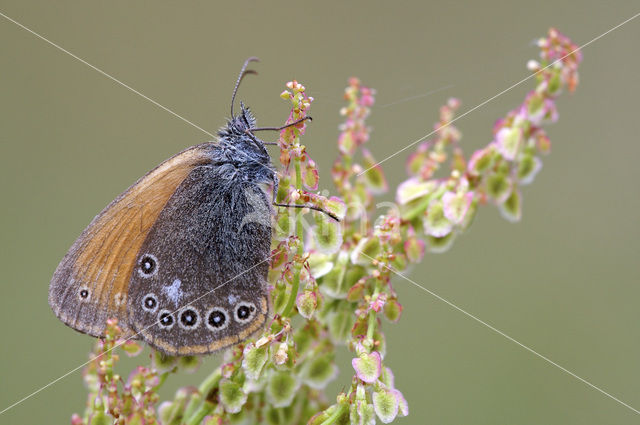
(200, 278)
(91, 282)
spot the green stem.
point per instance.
(211, 381)
(422, 204)
(371, 326)
(197, 417)
(295, 285)
(300, 234)
(299, 229)
(162, 380)
(192, 405)
(335, 415)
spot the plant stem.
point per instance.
(197, 417)
(335, 415)
(371, 325)
(299, 233)
(193, 415)
(299, 230)
(211, 381)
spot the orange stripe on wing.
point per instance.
(104, 256)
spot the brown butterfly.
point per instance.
(181, 257)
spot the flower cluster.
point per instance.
(357, 189)
(444, 207)
(332, 281)
(111, 398)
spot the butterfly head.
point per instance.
(238, 145)
(243, 121)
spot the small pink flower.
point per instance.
(393, 310)
(538, 109)
(508, 142)
(535, 165)
(374, 176)
(456, 205)
(310, 176)
(368, 366)
(386, 405)
(346, 144)
(435, 222)
(480, 160)
(307, 302)
(413, 247)
(336, 206)
(378, 303)
(367, 99)
(543, 144)
(414, 188)
(132, 348)
(403, 406)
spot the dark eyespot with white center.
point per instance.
(217, 319)
(165, 319)
(84, 293)
(148, 265)
(245, 312)
(150, 303)
(188, 318)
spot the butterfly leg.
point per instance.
(250, 131)
(276, 182)
(291, 124)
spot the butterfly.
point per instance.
(181, 257)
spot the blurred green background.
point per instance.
(564, 281)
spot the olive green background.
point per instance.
(564, 281)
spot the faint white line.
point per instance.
(126, 86)
(128, 339)
(418, 96)
(106, 75)
(498, 331)
(499, 94)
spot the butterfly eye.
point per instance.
(217, 319)
(150, 303)
(245, 312)
(188, 318)
(165, 319)
(148, 265)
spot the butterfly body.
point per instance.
(181, 257)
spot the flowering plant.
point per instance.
(332, 281)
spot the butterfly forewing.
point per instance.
(199, 282)
(181, 258)
(91, 283)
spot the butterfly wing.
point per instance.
(209, 251)
(91, 282)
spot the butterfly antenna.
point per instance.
(243, 72)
